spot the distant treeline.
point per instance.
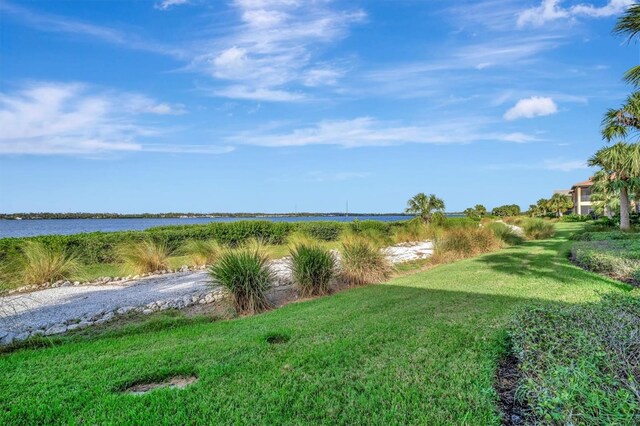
(18, 216)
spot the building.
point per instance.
(581, 196)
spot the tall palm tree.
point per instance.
(604, 198)
(629, 25)
(559, 204)
(424, 206)
(621, 164)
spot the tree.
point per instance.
(425, 206)
(506, 210)
(621, 166)
(629, 25)
(476, 212)
(559, 203)
(481, 210)
(604, 199)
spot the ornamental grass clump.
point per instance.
(245, 273)
(144, 256)
(412, 231)
(312, 268)
(504, 233)
(363, 263)
(538, 229)
(460, 243)
(40, 264)
(200, 252)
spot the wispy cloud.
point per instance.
(535, 106)
(60, 24)
(552, 10)
(75, 119)
(549, 164)
(167, 4)
(272, 48)
(367, 131)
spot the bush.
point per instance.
(201, 252)
(504, 233)
(601, 236)
(325, 231)
(616, 258)
(40, 264)
(538, 229)
(312, 269)
(460, 222)
(576, 218)
(460, 243)
(579, 363)
(245, 273)
(144, 256)
(363, 263)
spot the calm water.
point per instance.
(30, 228)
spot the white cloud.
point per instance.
(273, 48)
(552, 10)
(258, 94)
(76, 119)
(565, 166)
(166, 4)
(366, 131)
(535, 106)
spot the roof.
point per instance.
(585, 183)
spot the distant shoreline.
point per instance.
(48, 216)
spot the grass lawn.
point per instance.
(421, 349)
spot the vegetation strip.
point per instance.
(422, 349)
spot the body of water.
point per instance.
(31, 228)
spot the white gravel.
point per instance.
(43, 309)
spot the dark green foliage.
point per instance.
(576, 218)
(383, 228)
(580, 363)
(245, 273)
(100, 247)
(506, 210)
(619, 259)
(312, 269)
(460, 222)
(601, 236)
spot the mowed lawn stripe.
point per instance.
(421, 349)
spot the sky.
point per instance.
(301, 105)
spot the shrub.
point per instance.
(579, 363)
(325, 231)
(40, 264)
(459, 243)
(616, 258)
(460, 222)
(575, 218)
(504, 233)
(312, 268)
(144, 256)
(538, 229)
(363, 263)
(201, 252)
(245, 273)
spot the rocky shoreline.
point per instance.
(19, 312)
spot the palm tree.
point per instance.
(481, 210)
(621, 164)
(604, 198)
(629, 25)
(559, 204)
(623, 122)
(424, 206)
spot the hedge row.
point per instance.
(99, 247)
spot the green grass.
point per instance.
(421, 349)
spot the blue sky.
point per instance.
(283, 105)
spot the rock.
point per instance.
(22, 336)
(136, 277)
(56, 329)
(82, 324)
(8, 338)
(147, 311)
(66, 284)
(37, 333)
(107, 316)
(72, 326)
(125, 309)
